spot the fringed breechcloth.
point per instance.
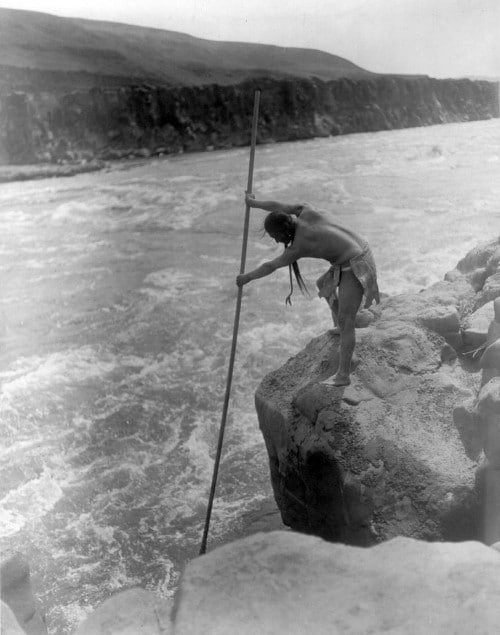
(363, 267)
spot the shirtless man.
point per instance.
(307, 233)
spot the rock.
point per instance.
(489, 398)
(386, 463)
(488, 410)
(479, 425)
(494, 327)
(489, 360)
(490, 290)
(108, 120)
(467, 424)
(491, 530)
(493, 263)
(475, 327)
(8, 622)
(438, 308)
(449, 351)
(488, 486)
(441, 319)
(283, 582)
(16, 591)
(476, 268)
(379, 458)
(364, 318)
(478, 278)
(453, 275)
(491, 356)
(312, 399)
(496, 307)
(131, 612)
(456, 293)
(477, 258)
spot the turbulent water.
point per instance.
(117, 308)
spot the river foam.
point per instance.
(119, 300)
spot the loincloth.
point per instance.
(363, 267)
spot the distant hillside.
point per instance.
(73, 51)
(75, 91)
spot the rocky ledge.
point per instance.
(384, 456)
(108, 123)
(284, 582)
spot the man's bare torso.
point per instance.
(318, 235)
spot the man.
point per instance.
(307, 233)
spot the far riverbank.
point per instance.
(11, 173)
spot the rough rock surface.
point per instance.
(382, 457)
(285, 582)
(8, 622)
(476, 325)
(132, 612)
(118, 122)
(17, 593)
(478, 421)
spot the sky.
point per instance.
(440, 38)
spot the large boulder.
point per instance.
(476, 325)
(8, 622)
(131, 612)
(380, 458)
(283, 582)
(16, 591)
(383, 456)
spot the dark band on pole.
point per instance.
(222, 428)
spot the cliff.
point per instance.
(107, 122)
(73, 91)
(397, 452)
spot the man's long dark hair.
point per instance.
(282, 228)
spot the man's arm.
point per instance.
(287, 258)
(273, 206)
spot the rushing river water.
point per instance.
(117, 307)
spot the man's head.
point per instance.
(280, 226)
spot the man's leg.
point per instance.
(333, 303)
(350, 296)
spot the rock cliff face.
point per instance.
(114, 122)
(383, 456)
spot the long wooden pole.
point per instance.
(222, 428)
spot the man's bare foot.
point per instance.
(341, 380)
(337, 380)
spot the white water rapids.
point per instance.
(117, 305)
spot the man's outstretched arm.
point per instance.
(273, 206)
(287, 258)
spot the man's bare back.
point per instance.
(319, 236)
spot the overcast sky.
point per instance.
(441, 38)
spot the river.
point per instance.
(117, 305)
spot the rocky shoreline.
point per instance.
(397, 452)
(141, 121)
(13, 173)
